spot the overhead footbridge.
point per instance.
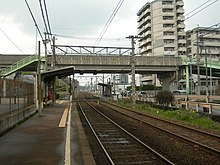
(99, 64)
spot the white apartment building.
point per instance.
(204, 42)
(161, 26)
(208, 43)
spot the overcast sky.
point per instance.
(84, 20)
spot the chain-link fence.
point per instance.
(15, 95)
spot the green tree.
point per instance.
(165, 98)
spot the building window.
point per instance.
(167, 2)
(168, 33)
(167, 41)
(167, 17)
(167, 10)
(167, 25)
(168, 49)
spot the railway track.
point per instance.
(119, 146)
(206, 140)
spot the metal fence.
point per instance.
(15, 95)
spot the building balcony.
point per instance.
(169, 28)
(170, 53)
(181, 18)
(179, 3)
(168, 21)
(170, 45)
(144, 29)
(140, 32)
(147, 34)
(182, 49)
(181, 26)
(209, 43)
(147, 26)
(214, 52)
(167, 6)
(214, 36)
(146, 42)
(143, 22)
(171, 37)
(180, 10)
(149, 47)
(143, 15)
(181, 33)
(181, 41)
(168, 14)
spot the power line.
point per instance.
(11, 41)
(35, 23)
(89, 38)
(109, 21)
(201, 9)
(198, 7)
(42, 13)
(48, 22)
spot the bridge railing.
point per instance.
(117, 60)
(213, 63)
(91, 50)
(18, 65)
(158, 60)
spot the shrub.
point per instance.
(165, 97)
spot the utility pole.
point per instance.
(54, 53)
(206, 69)
(198, 60)
(133, 66)
(45, 46)
(39, 81)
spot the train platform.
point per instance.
(55, 137)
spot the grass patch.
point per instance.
(190, 117)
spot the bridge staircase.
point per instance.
(30, 61)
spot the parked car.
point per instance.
(179, 92)
(142, 94)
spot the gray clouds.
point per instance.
(87, 17)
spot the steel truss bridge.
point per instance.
(94, 50)
(96, 59)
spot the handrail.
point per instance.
(18, 65)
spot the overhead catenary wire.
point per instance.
(88, 38)
(11, 40)
(44, 20)
(201, 9)
(109, 21)
(48, 22)
(35, 23)
(198, 7)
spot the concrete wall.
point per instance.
(7, 122)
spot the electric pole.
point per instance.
(54, 54)
(133, 67)
(39, 94)
(198, 60)
(45, 46)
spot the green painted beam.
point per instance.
(18, 65)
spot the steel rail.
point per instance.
(129, 134)
(205, 147)
(94, 133)
(164, 120)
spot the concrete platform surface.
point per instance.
(40, 140)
